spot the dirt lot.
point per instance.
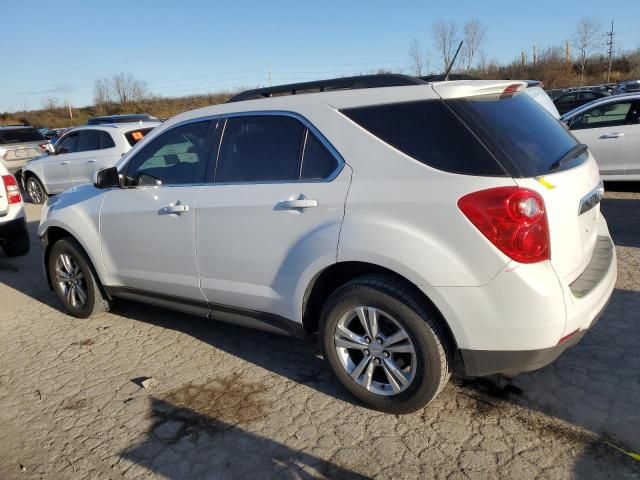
(236, 403)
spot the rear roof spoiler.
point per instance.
(472, 88)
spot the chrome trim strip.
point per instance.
(591, 199)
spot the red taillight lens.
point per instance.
(513, 219)
(11, 186)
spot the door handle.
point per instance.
(66, 162)
(93, 160)
(297, 202)
(178, 208)
(612, 135)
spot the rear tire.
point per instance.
(410, 356)
(74, 279)
(35, 190)
(18, 244)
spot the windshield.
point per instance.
(518, 131)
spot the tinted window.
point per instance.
(19, 135)
(317, 161)
(260, 149)
(70, 143)
(525, 138)
(88, 140)
(572, 97)
(429, 132)
(135, 136)
(176, 157)
(609, 115)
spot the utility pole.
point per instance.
(269, 71)
(567, 53)
(610, 34)
(524, 58)
(535, 54)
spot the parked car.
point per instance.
(14, 237)
(610, 127)
(404, 223)
(19, 143)
(630, 86)
(127, 118)
(571, 100)
(77, 155)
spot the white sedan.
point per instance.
(610, 127)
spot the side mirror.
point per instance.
(49, 148)
(107, 178)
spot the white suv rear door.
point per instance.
(273, 214)
(147, 230)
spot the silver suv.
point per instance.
(18, 144)
(404, 222)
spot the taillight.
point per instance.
(11, 186)
(513, 219)
(510, 90)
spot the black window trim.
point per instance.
(214, 141)
(308, 126)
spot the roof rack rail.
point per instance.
(346, 83)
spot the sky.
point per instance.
(58, 49)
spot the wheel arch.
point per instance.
(54, 233)
(334, 276)
(30, 173)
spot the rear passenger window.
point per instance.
(106, 141)
(317, 161)
(260, 149)
(88, 140)
(428, 132)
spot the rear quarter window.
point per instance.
(135, 136)
(429, 132)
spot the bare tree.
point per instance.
(127, 89)
(445, 38)
(585, 39)
(475, 34)
(416, 57)
(102, 95)
(50, 103)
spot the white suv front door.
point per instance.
(147, 229)
(56, 168)
(604, 129)
(272, 215)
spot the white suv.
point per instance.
(77, 155)
(404, 224)
(14, 238)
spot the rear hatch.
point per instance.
(540, 154)
(20, 144)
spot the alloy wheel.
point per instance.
(71, 281)
(375, 350)
(34, 191)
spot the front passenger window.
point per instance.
(68, 144)
(176, 157)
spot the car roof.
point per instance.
(602, 101)
(111, 127)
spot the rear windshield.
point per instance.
(429, 132)
(527, 140)
(19, 135)
(134, 136)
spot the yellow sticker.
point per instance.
(542, 181)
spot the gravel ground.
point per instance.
(235, 403)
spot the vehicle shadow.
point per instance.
(191, 435)
(623, 218)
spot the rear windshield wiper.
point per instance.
(570, 155)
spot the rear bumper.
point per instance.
(515, 323)
(478, 363)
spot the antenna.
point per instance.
(610, 34)
(453, 60)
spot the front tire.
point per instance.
(384, 346)
(35, 190)
(74, 280)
